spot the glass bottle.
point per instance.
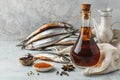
(85, 51)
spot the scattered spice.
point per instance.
(27, 60)
(65, 68)
(64, 73)
(29, 56)
(68, 67)
(42, 65)
(38, 74)
(61, 74)
(30, 73)
(57, 72)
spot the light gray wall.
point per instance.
(18, 18)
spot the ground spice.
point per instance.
(42, 65)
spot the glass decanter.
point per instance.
(85, 52)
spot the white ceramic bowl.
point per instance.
(43, 69)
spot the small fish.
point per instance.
(48, 35)
(52, 57)
(44, 37)
(46, 42)
(42, 28)
(67, 41)
(50, 25)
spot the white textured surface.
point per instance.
(11, 69)
(18, 18)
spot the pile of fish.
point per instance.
(50, 34)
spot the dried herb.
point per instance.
(68, 67)
(65, 68)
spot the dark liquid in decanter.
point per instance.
(85, 52)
